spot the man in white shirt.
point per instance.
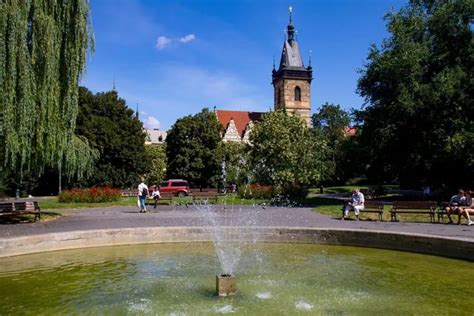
(142, 194)
(356, 204)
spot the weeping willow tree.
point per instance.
(43, 48)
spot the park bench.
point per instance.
(368, 193)
(371, 207)
(442, 211)
(165, 196)
(199, 196)
(128, 193)
(11, 209)
(413, 207)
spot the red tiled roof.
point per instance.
(350, 131)
(241, 119)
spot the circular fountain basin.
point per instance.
(273, 279)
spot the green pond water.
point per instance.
(273, 279)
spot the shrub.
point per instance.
(295, 191)
(91, 195)
(256, 191)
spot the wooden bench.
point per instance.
(371, 207)
(20, 208)
(128, 193)
(442, 211)
(166, 196)
(368, 193)
(415, 207)
(205, 195)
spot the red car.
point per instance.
(177, 186)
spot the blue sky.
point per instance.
(175, 57)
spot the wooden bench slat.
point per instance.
(20, 208)
(413, 207)
(372, 207)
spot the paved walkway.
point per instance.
(128, 217)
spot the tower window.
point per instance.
(297, 94)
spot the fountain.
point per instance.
(229, 229)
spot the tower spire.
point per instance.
(292, 80)
(309, 61)
(136, 113)
(291, 29)
(290, 10)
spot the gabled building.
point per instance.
(236, 125)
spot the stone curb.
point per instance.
(427, 244)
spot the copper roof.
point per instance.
(241, 119)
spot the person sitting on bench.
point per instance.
(156, 195)
(464, 211)
(456, 200)
(356, 204)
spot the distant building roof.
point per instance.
(155, 136)
(241, 119)
(350, 131)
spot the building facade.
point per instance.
(292, 81)
(292, 92)
(237, 125)
(155, 136)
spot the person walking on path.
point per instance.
(356, 204)
(142, 194)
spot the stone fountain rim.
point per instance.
(454, 247)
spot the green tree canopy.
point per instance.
(284, 152)
(156, 169)
(113, 129)
(235, 157)
(419, 91)
(43, 47)
(330, 123)
(191, 147)
(331, 120)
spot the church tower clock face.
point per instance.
(292, 80)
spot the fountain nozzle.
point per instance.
(225, 285)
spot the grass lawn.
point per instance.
(52, 203)
(46, 216)
(231, 199)
(349, 188)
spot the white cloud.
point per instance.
(187, 38)
(162, 42)
(151, 122)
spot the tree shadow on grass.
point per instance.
(26, 219)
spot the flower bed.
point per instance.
(256, 191)
(91, 195)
